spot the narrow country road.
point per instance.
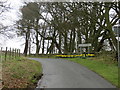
(58, 73)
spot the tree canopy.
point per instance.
(59, 27)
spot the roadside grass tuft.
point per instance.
(20, 73)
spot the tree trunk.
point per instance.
(37, 44)
(65, 44)
(60, 38)
(73, 42)
(27, 42)
(43, 45)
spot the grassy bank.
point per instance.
(21, 73)
(102, 66)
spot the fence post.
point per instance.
(10, 53)
(19, 52)
(6, 54)
(15, 53)
(1, 49)
(1, 54)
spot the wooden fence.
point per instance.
(9, 53)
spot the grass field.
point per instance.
(102, 66)
(21, 73)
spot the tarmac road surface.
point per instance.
(59, 73)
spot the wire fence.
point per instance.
(9, 53)
(5, 55)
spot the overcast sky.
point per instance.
(8, 18)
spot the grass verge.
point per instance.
(21, 73)
(104, 68)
